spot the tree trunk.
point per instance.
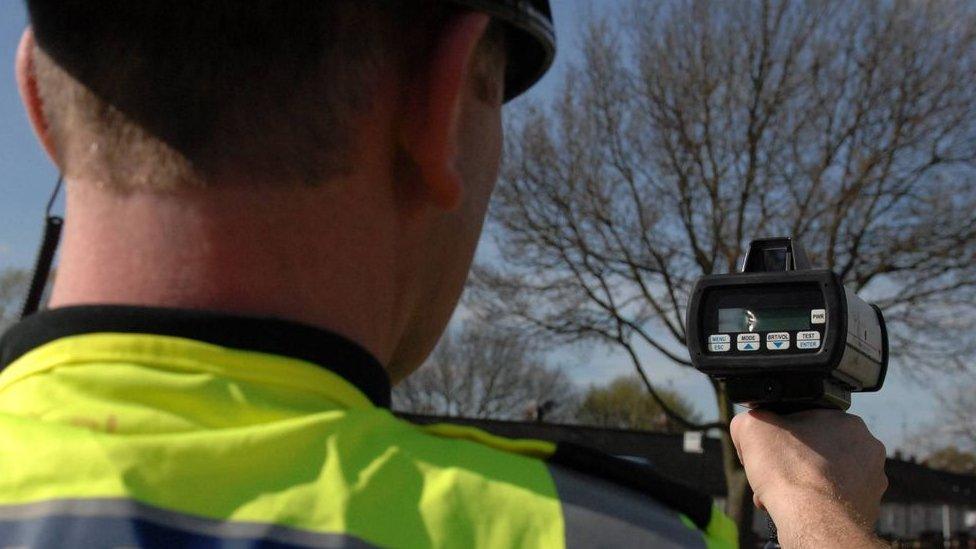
(738, 502)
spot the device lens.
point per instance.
(775, 259)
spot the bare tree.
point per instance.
(951, 436)
(482, 372)
(690, 127)
(959, 421)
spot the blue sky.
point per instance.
(26, 177)
(26, 174)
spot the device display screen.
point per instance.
(736, 320)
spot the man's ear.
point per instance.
(429, 133)
(29, 94)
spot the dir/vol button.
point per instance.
(778, 341)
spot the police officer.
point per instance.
(272, 208)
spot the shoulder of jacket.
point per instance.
(639, 477)
(593, 464)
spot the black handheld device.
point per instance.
(784, 336)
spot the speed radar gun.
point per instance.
(784, 336)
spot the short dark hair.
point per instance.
(242, 89)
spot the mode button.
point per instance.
(747, 342)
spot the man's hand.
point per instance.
(819, 474)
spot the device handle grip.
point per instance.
(783, 408)
(772, 541)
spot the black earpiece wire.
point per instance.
(45, 256)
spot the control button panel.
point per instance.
(765, 343)
(778, 341)
(771, 343)
(719, 343)
(818, 316)
(747, 342)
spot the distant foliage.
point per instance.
(949, 441)
(625, 404)
(952, 459)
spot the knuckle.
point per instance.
(856, 422)
(821, 467)
(880, 450)
(735, 427)
(740, 424)
(815, 416)
(830, 413)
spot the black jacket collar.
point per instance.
(265, 335)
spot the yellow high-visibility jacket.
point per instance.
(124, 426)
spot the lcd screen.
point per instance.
(762, 320)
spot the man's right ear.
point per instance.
(429, 134)
(29, 94)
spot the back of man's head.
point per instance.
(156, 94)
(324, 161)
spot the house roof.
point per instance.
(909, 482)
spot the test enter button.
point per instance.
(808, 340)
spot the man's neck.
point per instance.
(241, 251)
